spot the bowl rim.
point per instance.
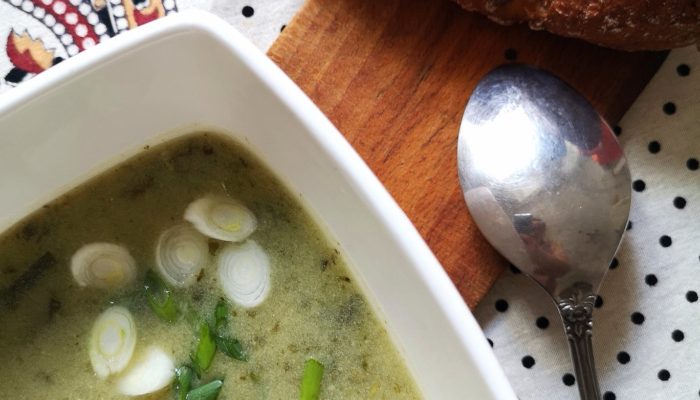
(358, 174)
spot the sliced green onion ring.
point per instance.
(103, 265)
(181, 253)
(221, 316)
(244, 273)
(311, 381)
(150, 372)
(221, 218)
(112, 341)
(231, 347)
(160, 298)
(183, 381)
(206, 348)
(209, 391)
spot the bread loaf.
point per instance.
(621, 24)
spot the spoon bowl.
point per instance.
(548, 185)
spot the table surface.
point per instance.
(647, 325)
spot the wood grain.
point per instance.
(394, 77)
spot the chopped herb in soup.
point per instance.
(188, 272)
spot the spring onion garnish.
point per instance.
(206, 348)
(210, 391)
(181, 253)
(244, 273)
(112, 341)
(221, 218)
(183, 381)
(103, 265)
(160, 297)
(221, 316)
(311, 381)
(150, 372)
(231, 347)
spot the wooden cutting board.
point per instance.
(394, 77)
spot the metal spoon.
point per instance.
(548, 185)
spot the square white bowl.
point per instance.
(194, 71)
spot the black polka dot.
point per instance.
(514, 269)
(637, 318)
(677, 335)
(679, 202)
(651, 280)
(691, 296)
(614, 263)
(542, 322)
(654, 147)
(639, 185)
(490, 342)
(528, 362)
(617, 130)
(669, 108)
(248, 11)
(510, 54)
(568, 379)
(282, 28)
(501, 305)
(664, 375)
(683, 70)
(609, 396)
(623, 357)
(692, 164)
(665, 241)
(598, 301)
(629, 225)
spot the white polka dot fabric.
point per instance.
(647, 321)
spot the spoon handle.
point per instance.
(577, 315)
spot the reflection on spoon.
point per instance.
(548, 185)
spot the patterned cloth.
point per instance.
(647, 322)
(37, 34)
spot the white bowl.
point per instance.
(193, 70)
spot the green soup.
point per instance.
(313, 309)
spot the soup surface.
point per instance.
(313, 309)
